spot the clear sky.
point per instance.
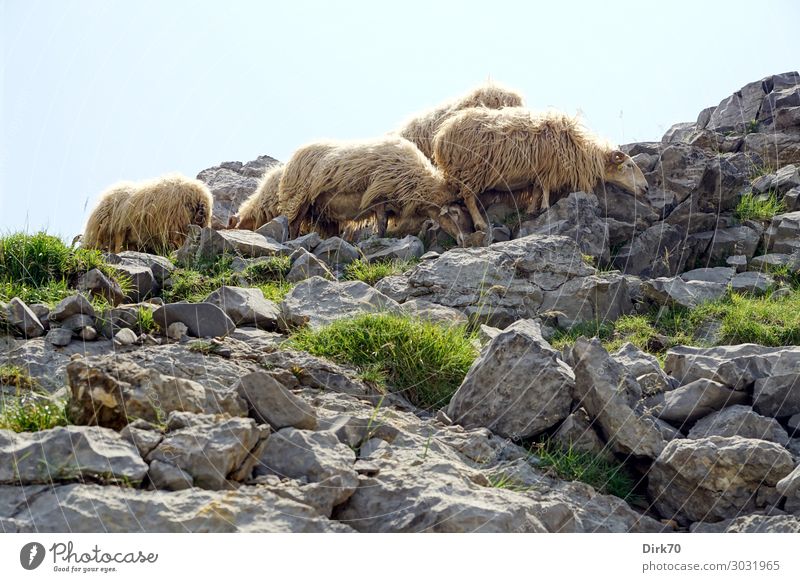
(96, 91)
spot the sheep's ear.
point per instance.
(617, 157)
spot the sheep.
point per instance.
(338, 184)
(100, 232)
(421, 128)
(262, 205)
(154, 216)
(479, 149)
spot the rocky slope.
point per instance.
(240, 433)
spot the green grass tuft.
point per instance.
(756, 207)
(26, 414)
(424, 360)
(371, 273)
(266, 270)
(11, 375)
(145, 322)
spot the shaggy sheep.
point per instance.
(336, 185)
(480, 149)
(100, 232)
(154, 216)
(262, 205)
(421, 128)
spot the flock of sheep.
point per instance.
(444, 164)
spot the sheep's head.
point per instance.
(623, 172)
(200, 215)
(455, 221)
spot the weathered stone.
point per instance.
(739, 420)
(783, 234)
(159, 266)
(59, 337)
(778, 392)
(789, 486)
(77, 322)
(166, 476)
(88, 334)
(752, 282)
(395, 287)
(775, 261)
(23, 318)
(392, 249)
(308, 242)
(271, 403)
(336, 252)
(653, 253)
(432, 312)
(577, 433)
(751, 524)
(143, 283)
(70, 306)
(201, 319)
(142, 435)
(737, 262)
(674, 291)
(714, 478)
(696, 400)
(246, 306)
(97, 284)
(305, 265)
(125, 337)
(315, 456)
(243, 243)
(644, 367)
(721, 275)
(276, 229)
(176, 331)
(316, 302)
(68, 454)
(608, 394)
(518, 387)
(210, 448)
(780, 181)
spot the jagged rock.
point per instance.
(696, 400)
(212, 449)
(674, 291)
(714, 246)
(336, 252)
(159, 266)
(143, 283)
(777, 393)
(59, 337)
(169, 477)
(316, 302)
(775, 260)
(714, 478)
(316, 456)
(720, 275)
(77, 322)
(243, 243)
(609, 394)
(789, 486)
(783, 234)
(653, 253)
(739, 420)
(578, 217)
(97, 284)
(518, 387)
(791, 200)
(387, 249)
(71, 305)
(246, 306)
(737, 262)
(751, 524)
(143, 435)
(271, 403)
(201, 319)
(276, 229)
(23, 318)
(644, 367)
(305, 265)
(68, 453)
(308, 242)
(94, 509)
(395, 287)
(432, 312)
(752, 282)
(577, 433)
(780, 181)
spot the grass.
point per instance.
(11, 375)
(25, 414)
(144, 320)
(508, 482)
(371, 273)
(204, 347)
(270, 269)
(424, 360)
(757, 207)
(572, 465)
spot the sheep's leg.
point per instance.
(545, 198)
(472, 206)
(535, 203)
(381, 219)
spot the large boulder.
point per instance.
(201, 319)
(392, 249)
(739, 420)
(518, 387)
(246, 306)
(696, 400)
(243, 243)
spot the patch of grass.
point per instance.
(751, 126)
(424, 360)
(371, 273)
(756, 207)
(26, 414)
(204, 347)
(144, 320)
(49, 293)
(506, 481)
(194, 283)
(11, 375)
(275, 290)
(770, 320)
(270, 269)
(572, 465)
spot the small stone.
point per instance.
(305, 265)
(246, 306)
(698, 399)
(177, 331)
(77, 322)
(276, 229)
(97, 284)
(273, 404)
(88, 334)
(166, 476)
(336, 252)
(24, 319)
(59, 336)
(74, 304)
(125, 337)
(737, 262)
(201, 319)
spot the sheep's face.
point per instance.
(202, 217)
(623, 172)
(455, 221)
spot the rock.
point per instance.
(166, 476)
(780, 182)
(335, 252)
(97, 284)
(737, 262)
(308, 242)
(143, 283)
(395, 287)
(59, 337)
(578, 217)
(88, 334)
(577, 433)
(317, 302)
(271, 403)
(109, 391)
(789, 486)
(720, 275)
(518, 387)
(772, 261)
(674, 291)
(201, 319)
(608, 394)
(432, 312)
(176, 331)
(783, 234)
(305, 265)
(68, 454)
(644, 367)
(392, 249)
(77, 322)
(24, 319)
(315, 456)
(143, 435)
(159, 266)
(212, 449)
(276, 229)
(714, 478)
(714, 246)
(242, 243)
(752, 282)
(739, 420)
(125, 337)
(246, 306)
(734, 113)
(751, 524)
(80, 508)
(71, 305)
(696, 400)
(777, 393)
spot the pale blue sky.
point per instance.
(96, 91)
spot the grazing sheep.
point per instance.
(421, 128)
(480, 149)
(100, 232)
(336, 184)
(262, 205)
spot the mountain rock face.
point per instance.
(204, 415)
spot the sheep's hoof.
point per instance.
(476, 239)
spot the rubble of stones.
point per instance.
(252, 436)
